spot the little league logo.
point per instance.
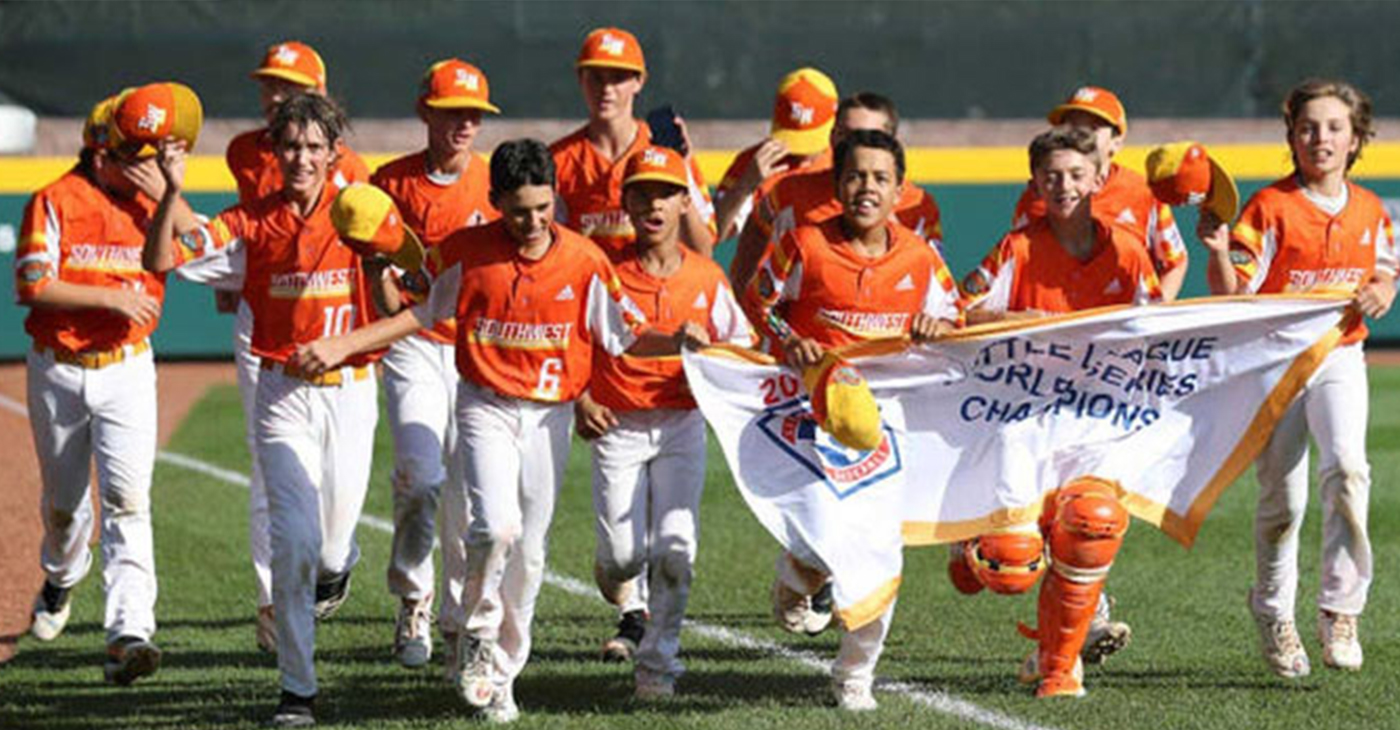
(844, 471)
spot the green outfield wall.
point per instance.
(975, 216)
(717, 60)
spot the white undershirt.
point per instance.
(1331, 205)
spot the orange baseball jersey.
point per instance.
(301, 282)
(1126, 200)
(765, 217)
(735, 172)
(253, 162)
(810, 197)
(697, 292)
(526, 329)
(818, 286)
(1030, 270)
(74, 232)
(589, 189)
(434, 209)
(1283, 242)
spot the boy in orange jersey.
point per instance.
(437, 190)
(531, 299)
(1065, 261)
(314, 431)
(805, 198)
(92, 383)
(287, 68)
(799, 137)
(856, 277)
(591, 161)
(1124, 198)
(1314, 231)
(648, 437)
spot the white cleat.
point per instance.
(650, 686)
(501, 709)
(51, 611)
(854, 696)
(1281, 645)
(1106, 637)
(1341, 645)
(790, 608)
(476, 663)
(413, 633)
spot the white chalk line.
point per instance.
(934, 699)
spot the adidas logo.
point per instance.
(1127, 217)
(152, 119)
(700, 301)
(1114, 287)
(905, 284)
(566, 294)
(468, 81)
(1366, 238)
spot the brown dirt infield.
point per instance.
(181, 386)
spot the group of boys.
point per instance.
(508, 303)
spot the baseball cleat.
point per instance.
(476, 665)
(1341, 645)
(1106, 637)
(331, 595)
(790, 607)
(819, 616)
(130, 658)
(51, 611)
(1281, 645)
(413, 633)
(293, 711)
(502, 708)
(630, 629)
(648, 685)
(266, 630)
(853, 695)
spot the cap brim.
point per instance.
(286, 75)
(462, 102)
(1057, 115)
(805, 142)
(601, 63)
(1224, 197)
(656, 177)
(410, 255)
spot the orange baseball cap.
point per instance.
(1099, 102)
(97, 128)
(144, 116)
(293, 61)
(661, 164)
(1183, 173)
(370, 225)
(842, 403)
(456, 84)
(612, 48)
(805, 111)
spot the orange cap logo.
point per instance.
(468, 80)
(152, 120)
(612, 45)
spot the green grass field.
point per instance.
(1194, 662)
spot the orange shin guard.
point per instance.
(1085, 528)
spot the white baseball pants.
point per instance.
(648, 474)
(420, 380)
(314, 444)
(1333, 408)
(514, 455)
(860, 649)
(259, 541)
(109, 414)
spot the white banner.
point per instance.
(1172, 401)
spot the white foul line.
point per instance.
(934, 699)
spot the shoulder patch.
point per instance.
(192, 241)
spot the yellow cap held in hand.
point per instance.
(370, 225)
(843, 404)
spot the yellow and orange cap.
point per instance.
(369, 223)
(612, 48)
(1094, 100)
(1184, 173)
(805, 111)
(293, 61)
(144, 116)
(456, 84)
(661, 164)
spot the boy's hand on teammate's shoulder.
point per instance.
(592, 419)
